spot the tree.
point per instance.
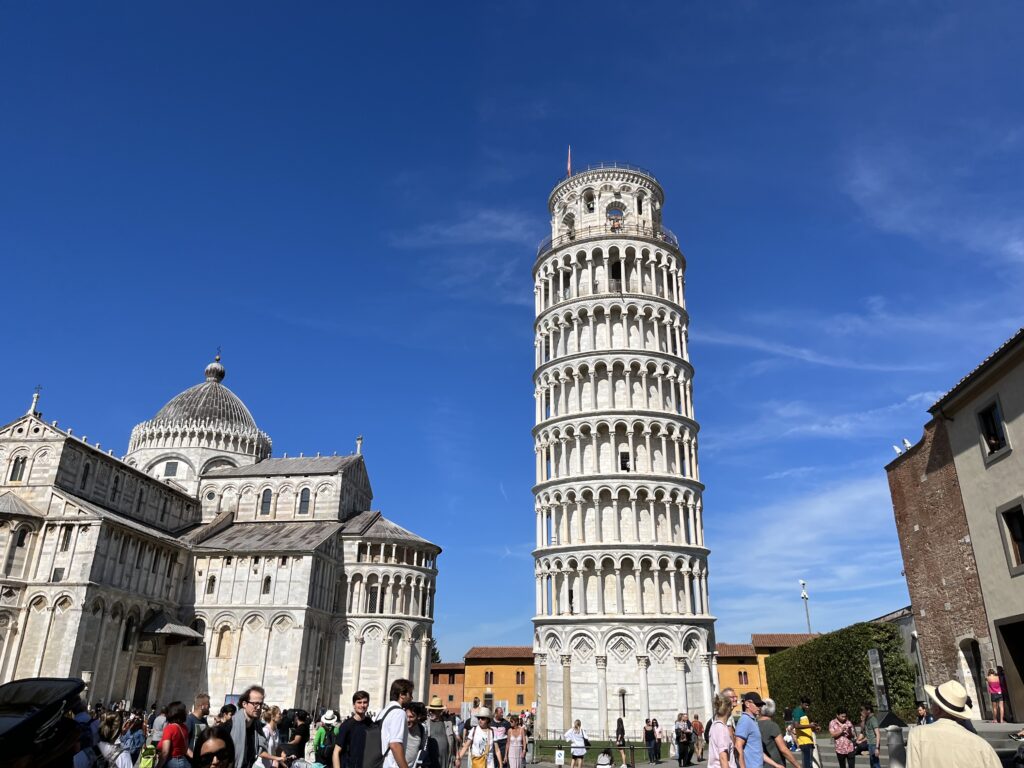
(435, 655)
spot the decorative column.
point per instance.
(681, 693)
(602, 696)
(642, 663)
(540, 676)
(706, 682)
(566, 691)
(382, 669)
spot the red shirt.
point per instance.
(176, 734)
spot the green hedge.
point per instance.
(833, 671)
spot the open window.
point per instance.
(993, 431)
(1013, 534)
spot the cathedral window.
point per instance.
(139, 554)
(123, 554)
(18, 468)
(126, 639)
(22, 537)
(228, 560)
(640, 204)
(152, 565)
(140, 500)
(265, 502)
(304, 501)
(211, 585)
(371, 599)
(170, 566)
(624, 462)
(65, 538)
(588, 201)
(115, 489)
(266, 586)
(58, 575)
(284, 561)
(85, 476)
(171, 469)
(163, 509)
(224, 642)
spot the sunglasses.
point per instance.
(222, 755)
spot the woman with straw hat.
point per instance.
(440, 733)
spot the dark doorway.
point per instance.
(140, 699)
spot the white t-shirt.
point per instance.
(482, 741)
(394, 728)
(123, 757)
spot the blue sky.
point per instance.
(348, 199)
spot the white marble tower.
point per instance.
(622, 626)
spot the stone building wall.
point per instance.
(938, 558)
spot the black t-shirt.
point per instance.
(299, 750)
(352, 740)
(250, 739)
(195, 726)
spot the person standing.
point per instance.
(474, 712)
(775, 748)
(804, 730)
(698, 737)
(620, 740)
(500, 727)
(295, 747)
(246, 727)
(749, 750)
(659, 738)
(577, 739)
(843, 736)
(440, 733)
(649, 740)
(196, 723)
(872, 734)
(134, 736)
(416, 741)
(924, 717)
(683, 733)
(721, 749)
(479, 743)
(326, 737)
(156, 728)
(995, 692)
(173, 745)
(394, 730)
(271, 754)
(351, 743)
(515, 755)
(945, 743)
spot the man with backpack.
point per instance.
(392, 729)
(326, 737)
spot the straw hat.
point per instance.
(483, 712)
(435, 703)
(951, 697)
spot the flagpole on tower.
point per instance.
(568, 164)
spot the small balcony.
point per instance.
(613, 227)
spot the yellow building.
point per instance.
(500, 675)
(741, 665)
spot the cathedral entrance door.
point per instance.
(140, 698)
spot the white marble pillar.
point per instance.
(602, 696)
(642, 663)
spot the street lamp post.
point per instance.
(807, 604)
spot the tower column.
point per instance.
(566, 691)
(602, 696)
(642, 663)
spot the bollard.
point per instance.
(897, 747)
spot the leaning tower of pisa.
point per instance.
(622, 626)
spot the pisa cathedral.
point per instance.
(197, 562)
(623, 627)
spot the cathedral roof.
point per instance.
(209, 402)
(272, 536)
(301, 465)
(373, 525)
(10, 504)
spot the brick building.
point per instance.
(958, 498)
(448, 680)
(500, 675)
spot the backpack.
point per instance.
(326, 750)
(147, 757)
(373, 757)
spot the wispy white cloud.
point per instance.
(899, 190)
(792, 472)
(804, 354)
(475, 226)
(839, 537)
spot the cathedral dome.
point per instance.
(208, 418)
(209, 402)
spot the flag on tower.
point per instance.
(568, 165)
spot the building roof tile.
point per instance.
(300, 465)
(1003, 350)
(500, 652)
(301, 537)
(10, 504)
(448, 666)
(732, 650)
(781, 639)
